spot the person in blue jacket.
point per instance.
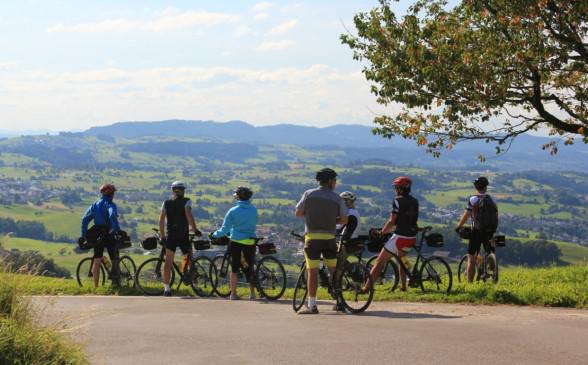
(105, 216)
(239, 225)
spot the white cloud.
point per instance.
(7, 66)
(170, 19)
(242, 31)
(261, 16)
(283, 27)
(275, 46)
(263, 6)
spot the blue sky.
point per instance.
(69, 65)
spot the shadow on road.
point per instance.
(399, 315)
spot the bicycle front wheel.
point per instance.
(271, 278)
(436, 275)
(462, 274)
(388, 279)
(203, 272)
(352, 280)
(222, 276)
(491, 267)
(84, 273)
(150, 277)
(127, 270)
(300, 291)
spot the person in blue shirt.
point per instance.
(240, 224)
(105, 216)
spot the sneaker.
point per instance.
(234, 297)
(167, 293)
(252, 296)
(306, 310)
(339, 307)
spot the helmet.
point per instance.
(402, 183)
(481, 183)
(347, 195)
(325, 174)
(243, 193)
(107, 189)
(178, 185)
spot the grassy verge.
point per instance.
(22, 340)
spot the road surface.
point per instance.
(144, 331)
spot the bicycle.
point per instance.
(126, 265)
(347, 285)
(196, 274)
(269, 273)
(431, 273)
(486, 267)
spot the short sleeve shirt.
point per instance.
(321, 207)
(473, 203)
(407, 210)
(188, 205)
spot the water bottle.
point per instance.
(107, 262)
(406, 262)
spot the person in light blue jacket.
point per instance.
(239, 225)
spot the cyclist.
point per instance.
(403, 220)
(482, 210)
(177, 213)
(349, 231)
(105, 216)
(322, 209)
(240, 225)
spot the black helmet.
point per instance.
(481, 183)
(243, 193)
(325, 174)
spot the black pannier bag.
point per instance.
(434, 239)
(465, 233)
(123, 240)
(222, 241)
(267, 248)
(355, 244)
(149, 242)
(376, 242)
(200, 245)
(95, 235)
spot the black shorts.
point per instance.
(183, 242)
(110, 246)
(313, 249)
(478, 239)
(248, 252)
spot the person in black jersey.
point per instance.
(403, 219)
(177, 213)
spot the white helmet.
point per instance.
(178, 185)
(347, 195)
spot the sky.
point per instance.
(70, 64)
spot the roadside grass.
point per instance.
(22, 340)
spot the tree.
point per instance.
(521, 64)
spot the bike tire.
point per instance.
(491, 267)
(389, 275)
(84, 273)
(221, 278)
(127, 270)
(271, 278)
(462, 275)
(300, 291)
(149, 278)
(435, 275)
(203, 271)
(353, 277)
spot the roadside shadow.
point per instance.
(402, 315)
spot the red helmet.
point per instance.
(107, 189)
(402, 182)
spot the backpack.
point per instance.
(486, 215)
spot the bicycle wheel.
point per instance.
(462, 275)
(491, 267)
(150, 276)
(127, 270)
(388, 279)
(84, 274)
(202, 273)
(221, 279)
(435, 275)
(300, 291)
(351, 281)
(271, 278)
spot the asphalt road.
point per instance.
(144, 331)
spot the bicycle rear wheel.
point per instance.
(202, 274)
(84, 274)
(491, 268)
(300, 291)
(462, 275)
(127, 270)
(353, 277)
(388, 279)
(436, 275)
(271, 278)
(221, 279)
(150, 277)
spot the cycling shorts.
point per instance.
(110, 246)
(397, 243)
(315, 248)
(172, 243)
(477, 239)
(248, 252)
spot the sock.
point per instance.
(311, 302)
(166, 287)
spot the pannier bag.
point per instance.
(500, 240)
(267, 248)
(95, 235)
(200, 245)
(149, 242)
(434, 240)
(223, 241)
(465, 233)
(376, 242)
(123, 240)
(354, 245)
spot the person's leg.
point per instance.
(96, 262)
(473, 249)
(402, 270)
(113, 253)
(249, 254)
(312, 257)
(403, 246)
(236, 251)
(168, 267)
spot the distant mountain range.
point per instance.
(360, 144)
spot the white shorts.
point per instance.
(397, 243)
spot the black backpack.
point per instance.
(486, 215)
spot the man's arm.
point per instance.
(342, 220)
(162, 223)
(349, 228)
(299, 213)
(225, 229)
(86, 219)
(463, 219)
(390, 223)
(113, 217)
(191, 221)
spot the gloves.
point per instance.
(197, 232)
(457, 230)
(81, 241)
